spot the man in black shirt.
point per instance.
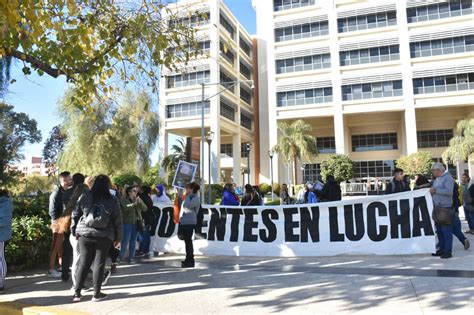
(397, 184)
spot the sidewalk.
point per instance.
(418, 284)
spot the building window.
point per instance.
(227, 53)
(378, 169)
(305, 63)
(443, 46)
(245, 71)
(227, 26)
(245, 96)
(444, 83)
(188, 79)
(326, 144)
(369, 55)
(201, 48)
(368, 21)
(192, 21)
(244, 46)
(227, 110)
(227, 82)
(372, 90)
(243, 150)
(304, 97)
(311, 172)
(301, 31)
(187, 109)
(226, 150)
(246, 120)
(280, 5)
(434, 138)
(374, 142)
(440, 10)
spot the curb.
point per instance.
(15, 308)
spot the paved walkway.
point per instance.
(417, 284)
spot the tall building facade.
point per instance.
(227, 56)
(376, 79)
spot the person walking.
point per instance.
(187, 222)
(442, 192)
(229, 198)
(132, 208)
(97, 224)
(457, 229)
(251, 197)
(397, 184)
(467, 201)
(331, 190)
(6, 212)
(148, 218)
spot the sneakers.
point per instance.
(99, 297)
(466, 244)
(106, 277)
(113, 269)
(84, 288)
(76, 298)
(446, 256)
(54, 274)
(438, 253)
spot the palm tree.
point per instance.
(461, 146)
(295, 142)
(178, 152)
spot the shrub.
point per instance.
(33, 184)
(416, 163)
(276, 188)
(264, 188)
(30, 241)
(152, 178)
(274, 202)
(126, 179)
(32, 206)
(338, 165)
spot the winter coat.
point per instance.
(148, 214)
(251, 200)
(85, 204)
(444, 187)
(331, 192)
(189, 210)
(163, 199)
(229, 199)
(131, 211)
(64, 222)
(395, 186)
(6, 212)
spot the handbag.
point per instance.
(443, 216)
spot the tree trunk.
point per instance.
(295, 175)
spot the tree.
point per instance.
(295, 142)
(53, 146)
(111, 141)
(152, 176)
(93, 43)
(178, 152)
(338, 165)
(461, 146)
(16, 129)
(416, 163)
(5, 66)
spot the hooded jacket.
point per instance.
(229, 199)
(6, 212)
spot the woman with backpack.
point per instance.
(97, 224)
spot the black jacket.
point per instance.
(331, 192)
(58, 200)
(148, 215)
(251, 200)
(395, 186)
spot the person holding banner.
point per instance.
(187, 222)
(397, 184)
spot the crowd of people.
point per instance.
(93, 220)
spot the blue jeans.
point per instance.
(445, 237)
(470, 219)
(457, 228)
(144, 239)
(129, 241)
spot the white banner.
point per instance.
(383, 225)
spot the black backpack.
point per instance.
(98, 217)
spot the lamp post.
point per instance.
(209, 138)
(247, 150)
(270, 154)
(227, 85)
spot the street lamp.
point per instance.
(227, 86)
(247, 150)
(270, 154)
(209, 138)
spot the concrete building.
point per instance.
(31, 166)
(376, 79)
(227, 56)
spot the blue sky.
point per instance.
(38, 96)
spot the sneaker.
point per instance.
(76, 298)
(139, 255)
(466, 244)
(446, 256)
(438, 253)
(106, 277)
(187, 264)
(54, 274)
(99, 297)
(113, 269)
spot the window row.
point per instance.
(445, 83)
(440, 10)
(188, 79)
(226, 24)
(201, 47)
(372, 90)
(301, 31)
(227, 53)
(367, 21)
(245, 96)
(192, 21)
(227, 82)
(369, 55)
(311, 172)
(305, 63)
(326, 144)
(304, 97)
(245, 121)
(245, 46)
(187, 109)
(226, 150)
(379, 169)
(443, 46)
(374, 142)
(245, 70)
(434, 138)
(280, 5)
(227, 111)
